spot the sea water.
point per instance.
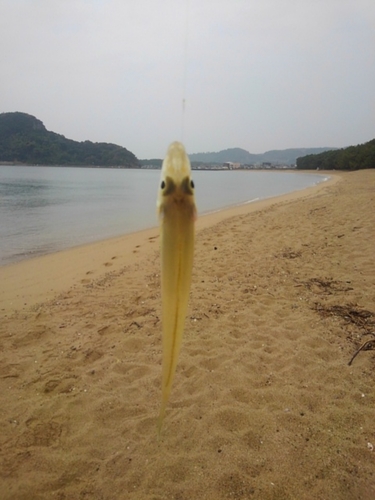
(46, 209)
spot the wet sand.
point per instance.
(264, 404)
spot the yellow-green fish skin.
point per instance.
(177, 210)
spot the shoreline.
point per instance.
(22, 251)
(264, 403)
(25, 283)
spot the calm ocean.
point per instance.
(45, 209)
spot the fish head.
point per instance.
(176, 187)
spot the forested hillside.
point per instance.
(351, 158)
(276, 156)
(24, 139)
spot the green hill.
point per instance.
(351, 158)
(24, 139)
(238, 155)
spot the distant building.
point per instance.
(230, 165)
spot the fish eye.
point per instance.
(192, 184)
(162, 185)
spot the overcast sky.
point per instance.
(255, 74)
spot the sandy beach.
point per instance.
(264, 404)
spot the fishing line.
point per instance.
(184, 77)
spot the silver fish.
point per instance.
(177, 211)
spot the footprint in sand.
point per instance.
(108, 264)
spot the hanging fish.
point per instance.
(177, 211)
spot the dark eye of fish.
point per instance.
(187, 186)
(162, 185)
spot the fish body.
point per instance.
(177, 212)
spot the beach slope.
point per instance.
(264, 404)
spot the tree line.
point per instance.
(351, 158)
(24, 139)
